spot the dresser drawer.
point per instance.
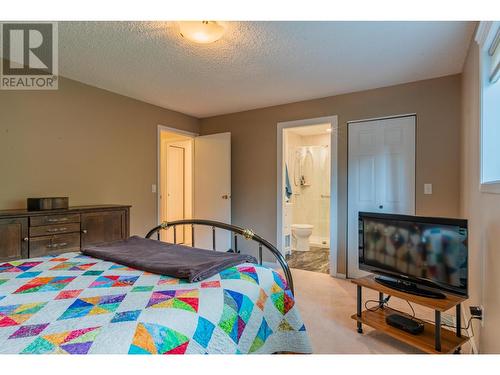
(36, 221)
(59, 243)
(46, 230)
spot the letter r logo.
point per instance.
(27, 48)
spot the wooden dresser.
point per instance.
(27, 234)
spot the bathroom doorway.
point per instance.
(307, 199)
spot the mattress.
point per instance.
(76, 304)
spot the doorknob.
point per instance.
(226, 196)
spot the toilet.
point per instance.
(301, 234)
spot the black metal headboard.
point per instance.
(246, 233)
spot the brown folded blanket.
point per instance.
(163, 258)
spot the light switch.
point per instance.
(153, 188)
(427, 189)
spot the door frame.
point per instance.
(170, 147)
(160, 129)
(333, 121)
(414, 114)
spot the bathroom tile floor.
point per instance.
(316, 260)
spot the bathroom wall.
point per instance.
(292, 141)
(311, 203)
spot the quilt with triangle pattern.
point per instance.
(75, 304)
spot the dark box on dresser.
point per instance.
(52, 203)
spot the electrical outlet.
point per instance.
(427, 189)
(153, 188)
(477, 312)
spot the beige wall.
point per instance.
(436, 103)
(483, 212)
(83, 142)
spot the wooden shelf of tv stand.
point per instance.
(442, 305)
(425, 341)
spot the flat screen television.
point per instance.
(420, 255)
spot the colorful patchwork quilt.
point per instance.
(75, 304)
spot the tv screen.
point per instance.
(426, 251)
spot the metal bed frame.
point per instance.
(247, 234)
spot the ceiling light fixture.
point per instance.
(203, 32)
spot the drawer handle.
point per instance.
(56, 230)
(57, 220)
(56, 245)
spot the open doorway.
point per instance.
(194, 182)
(176, 183)
(307, 199)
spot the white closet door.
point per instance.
(397, 166)
(381, 174)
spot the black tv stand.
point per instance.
(408, 287)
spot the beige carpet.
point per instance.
(326, 305)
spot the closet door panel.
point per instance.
(397, 166)
(381, 174)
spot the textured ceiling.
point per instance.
(257, 64)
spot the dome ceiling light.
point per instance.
(202, 32)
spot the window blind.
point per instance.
(494, 52)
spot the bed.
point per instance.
(75, 304)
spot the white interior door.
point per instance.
(381, 174)
(212, 188)
(176, 192)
